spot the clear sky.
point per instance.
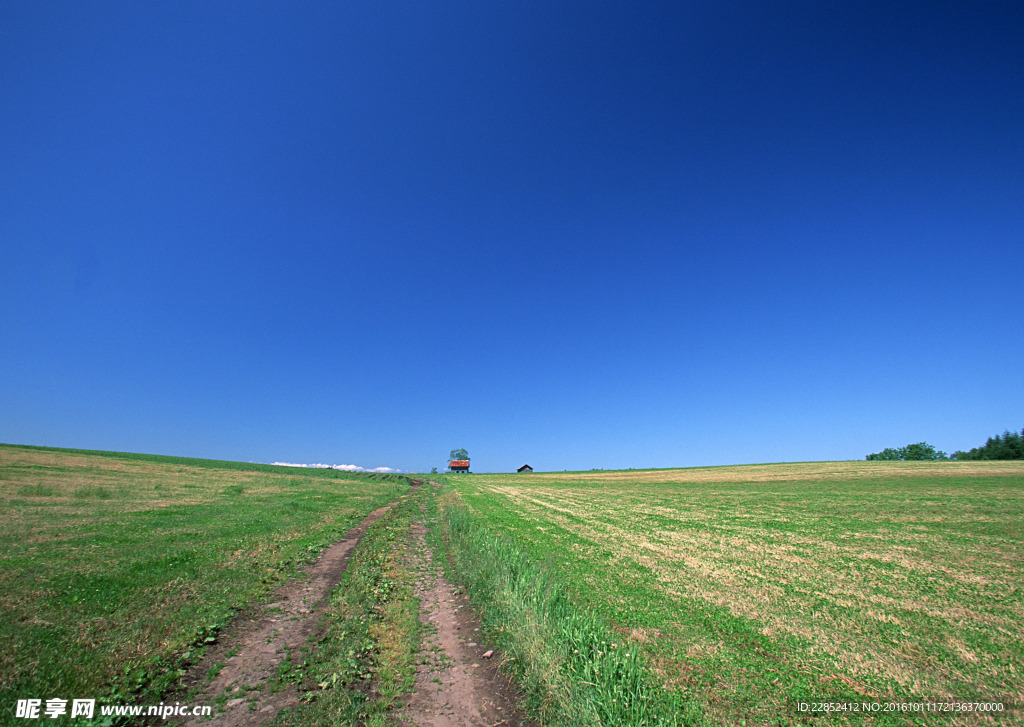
(570, 234)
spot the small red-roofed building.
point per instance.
(459, 465)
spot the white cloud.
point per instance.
(343, 467)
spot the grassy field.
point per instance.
(725, 596)
(748, 590)
(115, 569)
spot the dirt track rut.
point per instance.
(262, 642)
(458, 683)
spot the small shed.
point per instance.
(525, 468)
(459, 465)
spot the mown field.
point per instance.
(749, 590)
(724, 596)
(116, 569)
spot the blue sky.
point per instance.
(578, 235)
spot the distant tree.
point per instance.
(458, 454)
(1008, 446)
(433, 470)
(922, 451)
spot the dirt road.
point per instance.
(458, 682)
(251, 650)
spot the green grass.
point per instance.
(208, 464)
(573, 668)
(115, 570)
(723, 595)
(748, 590)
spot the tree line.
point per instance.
(1008, 445)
